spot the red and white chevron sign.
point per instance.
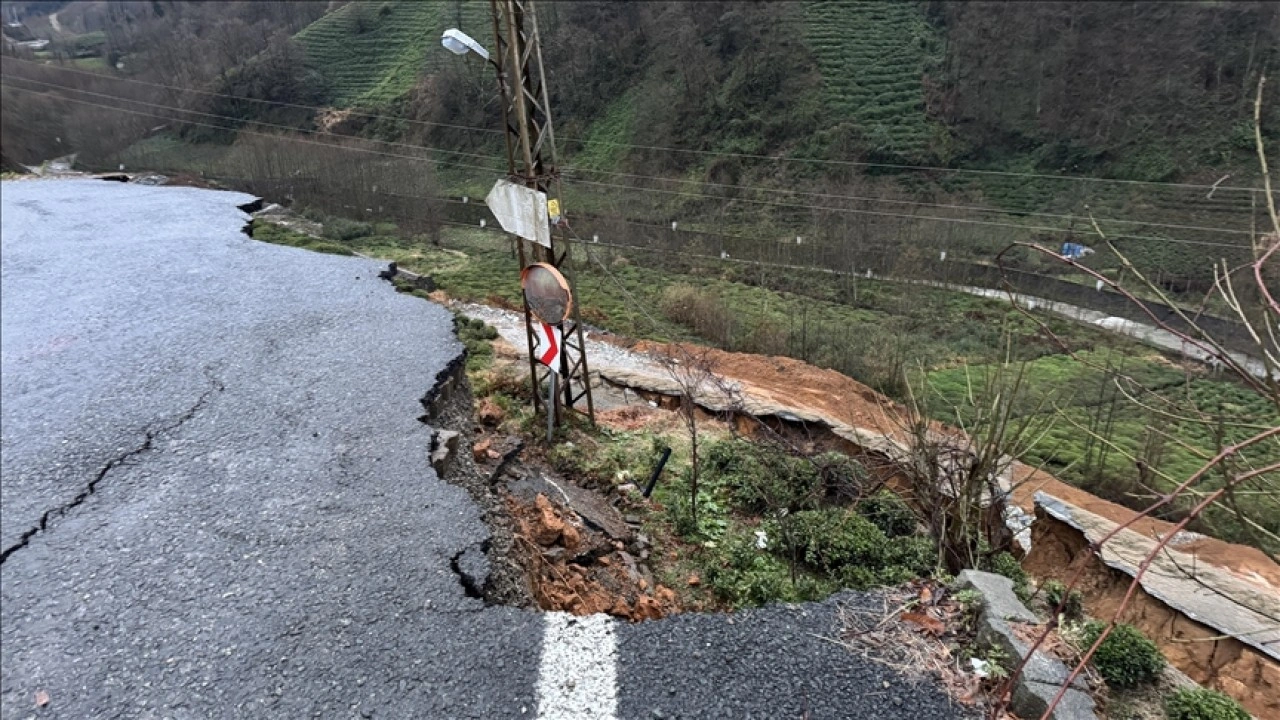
(549, 343)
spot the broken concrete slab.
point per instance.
(999, 599)
(591, 506)
(1030, 699)
(1199, 590)
(443, 447)
(1042, 675)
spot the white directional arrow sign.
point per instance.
(521, 211)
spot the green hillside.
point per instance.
(873, 56)
(371, 53)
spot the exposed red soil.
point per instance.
(1221, 663)
(575, 570)
(842, 399)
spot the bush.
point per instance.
(833, 538)
(1127, 658)
(742, 574)
(843, 478)
(1055, 591)
(761, 479)
(475, 336)
(1202, 704)
(889, 513)
(701, 311)
(344, 230)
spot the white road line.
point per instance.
(578, 675)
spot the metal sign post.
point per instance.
(526, 116)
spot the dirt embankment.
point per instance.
(840, 400)
(1202, 652)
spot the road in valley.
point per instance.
(216, 502)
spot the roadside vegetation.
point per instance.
(937, 346)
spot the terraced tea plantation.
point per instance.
(373, 52)
(872, 56)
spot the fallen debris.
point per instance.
(580, 570)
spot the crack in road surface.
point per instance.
(215, 386)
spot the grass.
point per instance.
(603, 149)
(272, 233)
(1165, 439)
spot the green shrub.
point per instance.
(386, 229)
(475, 336)
(762, 479)
(832, 538)
(845, 544)
(889, 513)
(345, 230)
(1127, 658)
(1055, 592)
(742, 574)
(1202, 704)
(843, 478)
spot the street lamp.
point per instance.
(460, 43)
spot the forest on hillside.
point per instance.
(867, 100)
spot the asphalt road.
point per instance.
(215, 502)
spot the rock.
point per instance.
(570, 538)
(480, 451)
(628, 489)
(490, 413)
(998, 596)
(629, 563)
(631, 519)
(549, 527)
(1031, 699)
(664, 594)
(443, 447)
(694, 580)
(591, 506)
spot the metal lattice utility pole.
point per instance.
(526, 116)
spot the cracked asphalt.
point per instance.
(216, 501)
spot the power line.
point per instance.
(710, 153)
(964, 208)
(279, 103)
(265, 135)
(916, 203)
(932, 218)
(234, 119)
(589, 182)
